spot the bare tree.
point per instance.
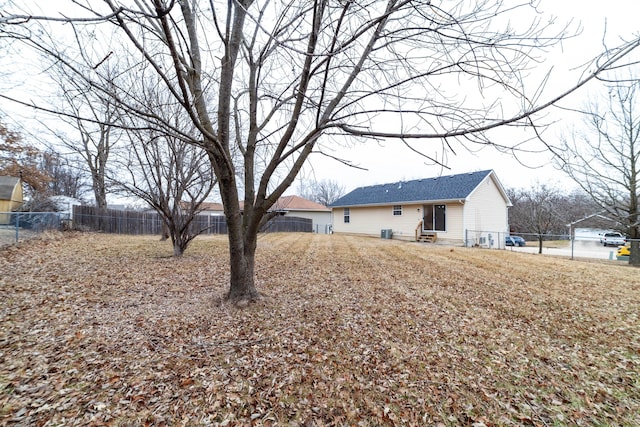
(94, 118)
(289, 77)
(579, 208)
(325, 191)
(537, 210)
(172, 176)
(604, 158)
(564, 209)
(66, 178)
(91, 115)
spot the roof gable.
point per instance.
(297, 203)
(442, 188)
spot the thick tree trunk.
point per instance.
(634, 253)
(164, 234)
(242, 286)
(100, 194)
(242, 235)
(178, 248)
(242, 255)
(634, 250)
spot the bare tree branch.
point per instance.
(604, 159)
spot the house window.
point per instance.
(397, 210)
(346, 215)
(435, 218)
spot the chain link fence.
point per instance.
(484, 239)
(16, 226)
(591, 246)
(534, 237)
(501, 239)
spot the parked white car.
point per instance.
(613, 239)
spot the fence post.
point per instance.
(17, 226)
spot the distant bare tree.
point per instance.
(537, 210)
(564, 209)
(325, 191)
(268, 83)
(578, 205)
(94, 118)
(604, 158)
(66, 178)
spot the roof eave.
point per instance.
(302, 210)
(460, 200)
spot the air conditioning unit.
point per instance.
(386, 233)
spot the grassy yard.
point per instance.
(110, 330)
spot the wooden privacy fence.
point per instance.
(134, 222)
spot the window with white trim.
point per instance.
(397, 210)
(347, 215)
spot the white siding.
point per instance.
(371, 220)
(486, 210)
(454, 232)
(321, 220)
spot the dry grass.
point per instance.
(8, 235)
(110, 330)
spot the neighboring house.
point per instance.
(303, 208)
(288, 206)
(10, 196)
(211, 208)
(469, 209)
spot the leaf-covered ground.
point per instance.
(110, 330)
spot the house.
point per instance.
(288, 206)
(303, 208)
(208, 208)
(468, 209)
(10, 196)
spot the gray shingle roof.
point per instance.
(451, 187)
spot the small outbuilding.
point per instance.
(11, 196)
(469, 209)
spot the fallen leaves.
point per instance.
(109, 330)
